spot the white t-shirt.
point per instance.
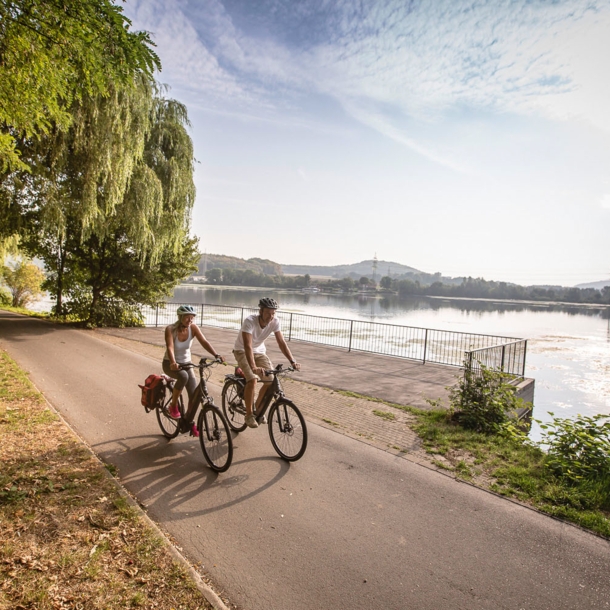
(251, 326)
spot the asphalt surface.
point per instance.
(347, 527)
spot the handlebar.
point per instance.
(279, 370)
(204, 363)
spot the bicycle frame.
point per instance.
(275, 392)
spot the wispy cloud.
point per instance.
(417, 59)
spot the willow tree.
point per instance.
(126, 249)
(57, 59)
(54, 52)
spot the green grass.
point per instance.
(384, 415)
(514, 470)
(26, 312)
(330, 422)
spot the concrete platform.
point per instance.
(387, 378)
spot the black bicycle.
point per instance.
(214, 433)
(286, 424)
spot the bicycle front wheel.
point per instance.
(215, 438)
(169, 425)
(287, 430)
(233, 405)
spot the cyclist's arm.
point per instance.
(204, 342)
(247, 339)
(286, 350)
(169, 342)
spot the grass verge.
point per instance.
(27, 312)
(67, 537)
(512, 469)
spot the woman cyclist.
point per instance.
(178, 340)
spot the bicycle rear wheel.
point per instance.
(215, 438)
(233, 405)
(287, 430)
(169, 426)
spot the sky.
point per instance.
(470, 138)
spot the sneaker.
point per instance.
(174, 411)
(251, 422)
(194, 431)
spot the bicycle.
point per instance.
(286, 424)
(214, 433)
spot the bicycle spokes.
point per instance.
(215, 438)
(287, 430)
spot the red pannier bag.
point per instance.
(153, 392)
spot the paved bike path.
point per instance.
(348, 526)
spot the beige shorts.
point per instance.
(260, 360)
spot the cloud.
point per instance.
(605, 202)
(381, 59)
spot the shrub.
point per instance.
(106, 312)
(5, 297)
(483, 400)
(578, 448)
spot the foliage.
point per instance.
(483, 399)
(578, 448)
(505, 464)
(415, 284)
(54, 53)
(83, 172)
(105, 281)
(220, 262)
(24, 280)
(248, 277)
(5, 297)
(134, 246)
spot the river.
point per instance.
(568, 351)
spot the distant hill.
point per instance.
(598, 285)
(220, 261)
(355, 270)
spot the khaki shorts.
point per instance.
(260, 360)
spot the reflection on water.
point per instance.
(568, 345)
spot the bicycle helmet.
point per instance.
(268, 303)
(184, 310)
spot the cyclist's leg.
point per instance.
(262, 360)
(192, 390)
(181, 378)
(251, 379)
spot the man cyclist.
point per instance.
(251, 354)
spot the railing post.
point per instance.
(157, 316)
(425, 346)
(242, 317)
(201, 322)
(290, 328)
(351, 328)
(523, 363)
(502, 361)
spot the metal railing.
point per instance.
(422, 344)
(507, 357)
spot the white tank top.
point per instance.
(182, 349)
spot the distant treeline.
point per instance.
(483, 289)
(473, 288)
(248, 277)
